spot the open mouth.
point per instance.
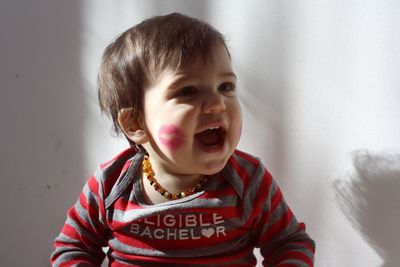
(213, 137)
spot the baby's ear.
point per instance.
(132, 127)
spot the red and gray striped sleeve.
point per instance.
(283, 241)
(83, 236)
(85, 230)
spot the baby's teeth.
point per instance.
(213, 128)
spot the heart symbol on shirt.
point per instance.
(208, 232)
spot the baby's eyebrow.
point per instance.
(182, 78)
(178, 80)
(229, 74)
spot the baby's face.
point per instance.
(193, 116)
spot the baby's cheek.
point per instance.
(240, 129)
(171, 136)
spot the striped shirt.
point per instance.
(240, 209)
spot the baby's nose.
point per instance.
(214, 103)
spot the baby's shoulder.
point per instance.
(244, 166)
(110, 171)
(245, 160)
(121, 157)
(245, 172)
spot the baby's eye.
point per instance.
(227, 87)
(186, 91)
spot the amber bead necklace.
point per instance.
(149, 173)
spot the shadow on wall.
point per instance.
(371, 202)
(42, 110)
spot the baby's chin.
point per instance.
(214, 168)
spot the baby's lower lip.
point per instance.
(211, 149)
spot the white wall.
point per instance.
(318, 80)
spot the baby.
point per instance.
(182, 194)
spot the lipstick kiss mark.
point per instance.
(171, 136)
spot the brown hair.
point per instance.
(135, 59)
